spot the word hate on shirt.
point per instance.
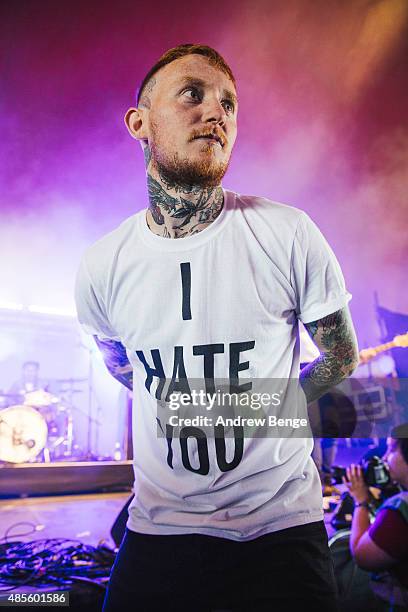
(179, 380)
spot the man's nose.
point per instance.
(213, 110)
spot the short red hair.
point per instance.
(180, 51)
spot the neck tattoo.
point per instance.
(175, 210)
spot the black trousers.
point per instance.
(282, 571)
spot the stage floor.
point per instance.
(86, 517)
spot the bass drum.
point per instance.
(23, 434)
(353, 583)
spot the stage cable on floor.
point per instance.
(52, 563)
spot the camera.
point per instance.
(375, 473)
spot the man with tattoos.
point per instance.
(207, 284)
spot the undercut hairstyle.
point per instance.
(400, 433)
(214, 58)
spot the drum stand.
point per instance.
(91, 419)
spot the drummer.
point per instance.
(30, 380)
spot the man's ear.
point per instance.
(135, 123)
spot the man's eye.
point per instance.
(229, 106)
(192, 90)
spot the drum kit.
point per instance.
(37, 425)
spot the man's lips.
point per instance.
(211, 137)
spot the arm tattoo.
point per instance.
(336, 339)
(115, 358)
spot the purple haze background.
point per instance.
(323, 115)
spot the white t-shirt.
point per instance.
(231, 307)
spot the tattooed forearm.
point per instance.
(335, 337)
(115, 358)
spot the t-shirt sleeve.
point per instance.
(390, 532)
(316, 274)
(90, 308)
